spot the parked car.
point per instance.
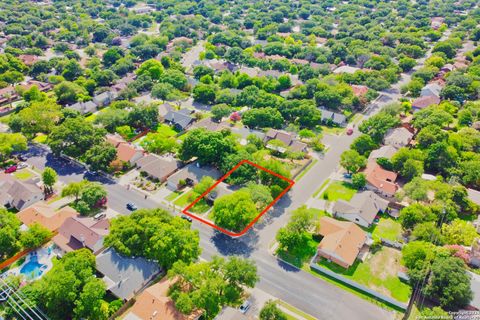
(349, 131)
(131, 206)
(245, 306)
(99, 216)
(21, 165)
(21, 157)
(347, 175)
(11, 169)
(185, 217)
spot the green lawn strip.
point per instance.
(291, 308)
(320, 188)
(369, 275)
(172, 196)
(339, 190)
(166, 131)
(332, 130)
(306, 169)
(91, 118)
(301, 254)
(184, 200)
(24, 174)
(387, 228)
(40, 138)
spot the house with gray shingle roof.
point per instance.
(125, 276)
(181, 119)
(84, 107)
(18, 194)
(361, 209)
(333, 117)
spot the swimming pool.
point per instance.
(32, 269)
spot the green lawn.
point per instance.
(184, 200)
(303, 253)
(187, 198)
(23, 174)
(91, 118)
(173, 195)
(387, 228)
(332, 130)
(166, 131)
(378, 272)
(40, 138)
(339, 190)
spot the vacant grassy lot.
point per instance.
(378, 272)
(339, 190)
(387, 228)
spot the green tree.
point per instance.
(234, 211)
(220, 110)
(100, 156)
(364, 144)
(352, 161)
(90, 303)
(92, 194)
(459, 232)
(152, 68)
(414, 214)
(449, 283)
(417, 257)
(263, 118)
(49, 178)
(74, 189)
(204, 93)
(158, 143)
(154, 234)
(35, 236)
(163, 91)
(270, 311)
(39, 117)
(9, 233)
(143, 117)
(359, 180)
(377, 125)
(11, 142)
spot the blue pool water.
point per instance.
(32, 269)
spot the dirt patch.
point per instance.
(385, 262)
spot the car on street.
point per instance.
(185, 217)
(349, 131)
(132, 206)
(21, 165)
(11, 169)
(245, 306)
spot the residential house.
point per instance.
(181, 119)
(398, 137)
(380, 180)
(359, 90)
(46, 216)
(190, 175)
(342, 241)
(105, 98)
(361, 209)
(330, 117)
(163, 110)
(242, 132)
(431, 89)
(158, 168)
(154, 303)
(28, 59)
(125, 276)
(84, 107)
(436, 22)
(383, 152)
(82, 232)
(126, 152)
(285, 137)
(123, 83)
(423, 102)
(18, 194)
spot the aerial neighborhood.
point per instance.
(235, 160)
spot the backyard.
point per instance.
(339, 190)
(378, 272)
(387, 228)
(166, 130)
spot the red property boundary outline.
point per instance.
(227, 232)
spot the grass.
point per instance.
(302, 253)
(5, 119)
(91, 118)
(356, 118)
(184, 200)
(387, 228)
(40, 138)
(166, 131)
(320, 188)
(306, 169)
(294, 310)
(173, 195)
(332, 130)
(24, 174)
(339, 190)
(200, 207)
(378, 272)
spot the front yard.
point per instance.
(302, 253)
(188, 197)
(378, 272)
(24, 174)
(339, 190)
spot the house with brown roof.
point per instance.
(287, 138)
(18, 194)
(155, 304)
(361, 209)
(423, 102)
(126, 152)
(82, 232)
(342, 241)
(46, 216)
(380, 180)
(398, 137)
(28, 59)
(156, 167)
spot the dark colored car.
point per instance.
(131, 206)
(349, 131)
(185, 217)
(21, 157)
(11, 169)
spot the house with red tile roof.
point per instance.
(126, 152)
(28, 59)
(46, 216)
(380, 180)
(342, 241)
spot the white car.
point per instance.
(21, 165)
(245, 306)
